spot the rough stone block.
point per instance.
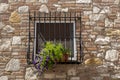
(49, 76)
(83, 1)
(44, 8)
(16, 40)
(75, 78)
(23, 9)
(15, 17)
(112, 55)
(13, 65)
(3, 78)
(72, 72)
(30, 74)
(61, 75)
(3, 7)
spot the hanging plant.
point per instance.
(48, 56)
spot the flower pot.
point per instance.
(65, 57)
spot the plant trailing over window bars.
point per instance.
(50, 55)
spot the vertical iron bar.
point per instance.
(28, 51)
(75, 35)
(70, 29)
(81, 53)
(49, 24)
(65, 30)
(35, 40)
(59, 27)
(39, 29)
(54, 28)
(44, 33)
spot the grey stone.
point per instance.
(83, 1)
(43, 1)
(100, 55)
(6, 45)
(3, 7)
(97, 78)
(112, 55)
(107, 64)
(30, 74)
(75, 78)
(13, 65)
(102, 69)
(96, 17)
(106, 9)
(92, 36)
(62, 9)
(116, 76)
(98, 28)
(116, 1)
(61, 75)
(49, 76)
(16, 40)
(115, 45)
(105, 75)
(96, 9)
(8, 29)
(44, 8)
(10, 1)
(72, 72)
(23, 9)
(102, 40)
(108, 23)
(1, 25)
(15, 53)
(30, 0)
(3, 78)
(87, 12)
(90, 23)
(56, 5)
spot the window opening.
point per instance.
(55, 27)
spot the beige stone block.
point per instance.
(15, 17)
(49, 76)
(93, 61)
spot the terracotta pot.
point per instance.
(65, 57)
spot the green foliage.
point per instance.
(50, 54)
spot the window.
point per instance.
(56, 27)
(63, 32)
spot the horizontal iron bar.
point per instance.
(55, 17)
(70, 62)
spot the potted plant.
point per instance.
(50, 54)
(66, 54)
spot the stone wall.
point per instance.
(101, 37)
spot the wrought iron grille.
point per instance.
(59, 27)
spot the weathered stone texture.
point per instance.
(23, 9)
(100, 37)
(16, 40)
(30, 74)
(3, 7)
(102, 40)
(3, 78)
(6, 45)
(8, 29)
(83, 1)
(15, 17)
(112, 55)
(13, 65)
(44, 8)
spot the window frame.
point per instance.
(74, 39)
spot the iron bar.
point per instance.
(81, 53)
(28, 50)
